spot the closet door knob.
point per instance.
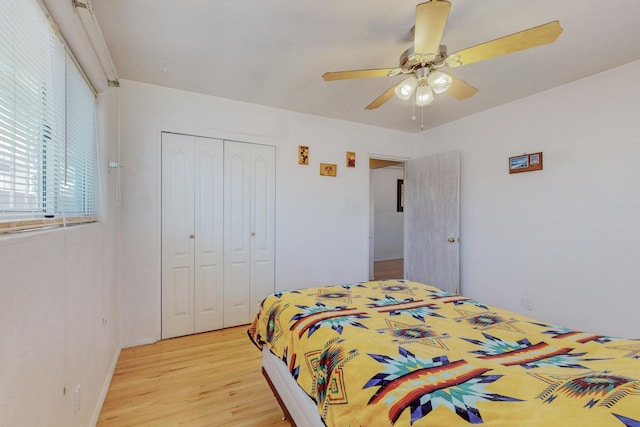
(192, 236)
(451, 240)
(253, 233)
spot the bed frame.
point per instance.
(298, 408)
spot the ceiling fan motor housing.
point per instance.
(421, 75)
(410, 61)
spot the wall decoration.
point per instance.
(351, 159)
(303, 154)
(525, 163)
(327, 169)
(400, 196)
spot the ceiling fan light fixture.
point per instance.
(439, 81)
(406, 88)
(424, 96)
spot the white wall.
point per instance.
(322, 223)
(388, 222)
(59, 313)
(567, 237)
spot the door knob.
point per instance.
(253, 234)
(192, 236)
(451, 239)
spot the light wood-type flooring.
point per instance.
(209, 379)
(388, 269)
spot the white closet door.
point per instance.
(431, 220)
(263, 224)
(237, 233)
(209, 225)
(218, 232)
(177, 232)
(192, 234)
(249, 229)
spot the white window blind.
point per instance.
(79, 179)
(47, 123)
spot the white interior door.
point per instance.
(177, 230)
(432, 211)
(209, 229)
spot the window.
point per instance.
(47, 125)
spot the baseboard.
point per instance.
(105, 389)
(140, 342)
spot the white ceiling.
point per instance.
(274, 52)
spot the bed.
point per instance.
(401, 353)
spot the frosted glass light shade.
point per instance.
(439, 81)
(424, 96)
(405, 89)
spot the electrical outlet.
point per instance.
(527, 303)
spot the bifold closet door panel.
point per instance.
(177, 229)
(263, 223)
(209, 234)
(237, 233)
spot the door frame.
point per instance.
(371, 239)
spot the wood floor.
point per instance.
(209, 379)
(388, 269)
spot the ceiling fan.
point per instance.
(423, 61)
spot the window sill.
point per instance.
(10, 227)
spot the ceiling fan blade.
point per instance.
(536, 36)
(431, 17)
(383, 98)
(360, 74)
(460, 89)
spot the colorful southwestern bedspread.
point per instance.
(403, 353)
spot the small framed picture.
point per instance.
(328, 169)
(525, 163)
(351, 159)
(303, 154)
(534, 159)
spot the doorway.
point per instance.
(386, 218)
(430, 198)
